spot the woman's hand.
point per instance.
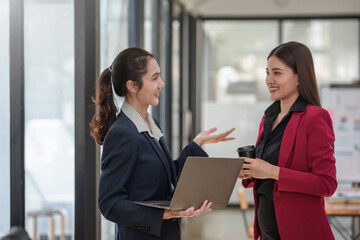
(242, 175)
(205, 136)
(258, 168)
(190, 212)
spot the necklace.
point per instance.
(281, 116)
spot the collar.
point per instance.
(274, 109)
(135, 117)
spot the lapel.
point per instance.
(170, 160)
(288, 140)
(160, 154)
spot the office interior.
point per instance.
(212, 56)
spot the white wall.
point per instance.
(239, 116)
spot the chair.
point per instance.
(16, 233)
(245, 206)
(50, 215)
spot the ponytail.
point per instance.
(130, 64)
(106, 111)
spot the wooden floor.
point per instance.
(226, 224)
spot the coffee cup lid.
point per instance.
(246, 148)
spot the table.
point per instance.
(344, 208)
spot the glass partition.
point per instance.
(234, 93)
(114, 23)
(176, 79)
(4, 119)
(150, 29)
(49, 117)
(148, 24)
(334, 44)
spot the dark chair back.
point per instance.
(16, 233)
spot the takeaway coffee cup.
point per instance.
(246, 151)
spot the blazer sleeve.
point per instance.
(118, 162)
(321, 178)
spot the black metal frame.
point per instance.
(194, 90)
(17, 110)
(136, 20)
(86, 164)
(185, 79)
(181, 76)
(168, 77)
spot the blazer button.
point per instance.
(174, 220)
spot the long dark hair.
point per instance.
(130, 64)
(298, 57)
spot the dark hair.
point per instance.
(130, 64)
(298, 57)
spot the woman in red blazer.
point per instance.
(294, 167)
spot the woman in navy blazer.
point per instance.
(295, 165)
(136, 163)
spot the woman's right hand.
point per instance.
(190, 212)
(258, 168)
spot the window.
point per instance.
(49, 113)
(114, 24)
(334, 44)
(4, 119)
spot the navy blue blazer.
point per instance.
(135, 168)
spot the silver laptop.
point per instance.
(202, 178)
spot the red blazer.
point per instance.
(307, 175)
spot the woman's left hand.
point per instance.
(258, 168)
(206, 136)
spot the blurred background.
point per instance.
(212, 56)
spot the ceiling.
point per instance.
(272, 8)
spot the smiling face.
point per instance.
(281, 80)
(152, 85)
